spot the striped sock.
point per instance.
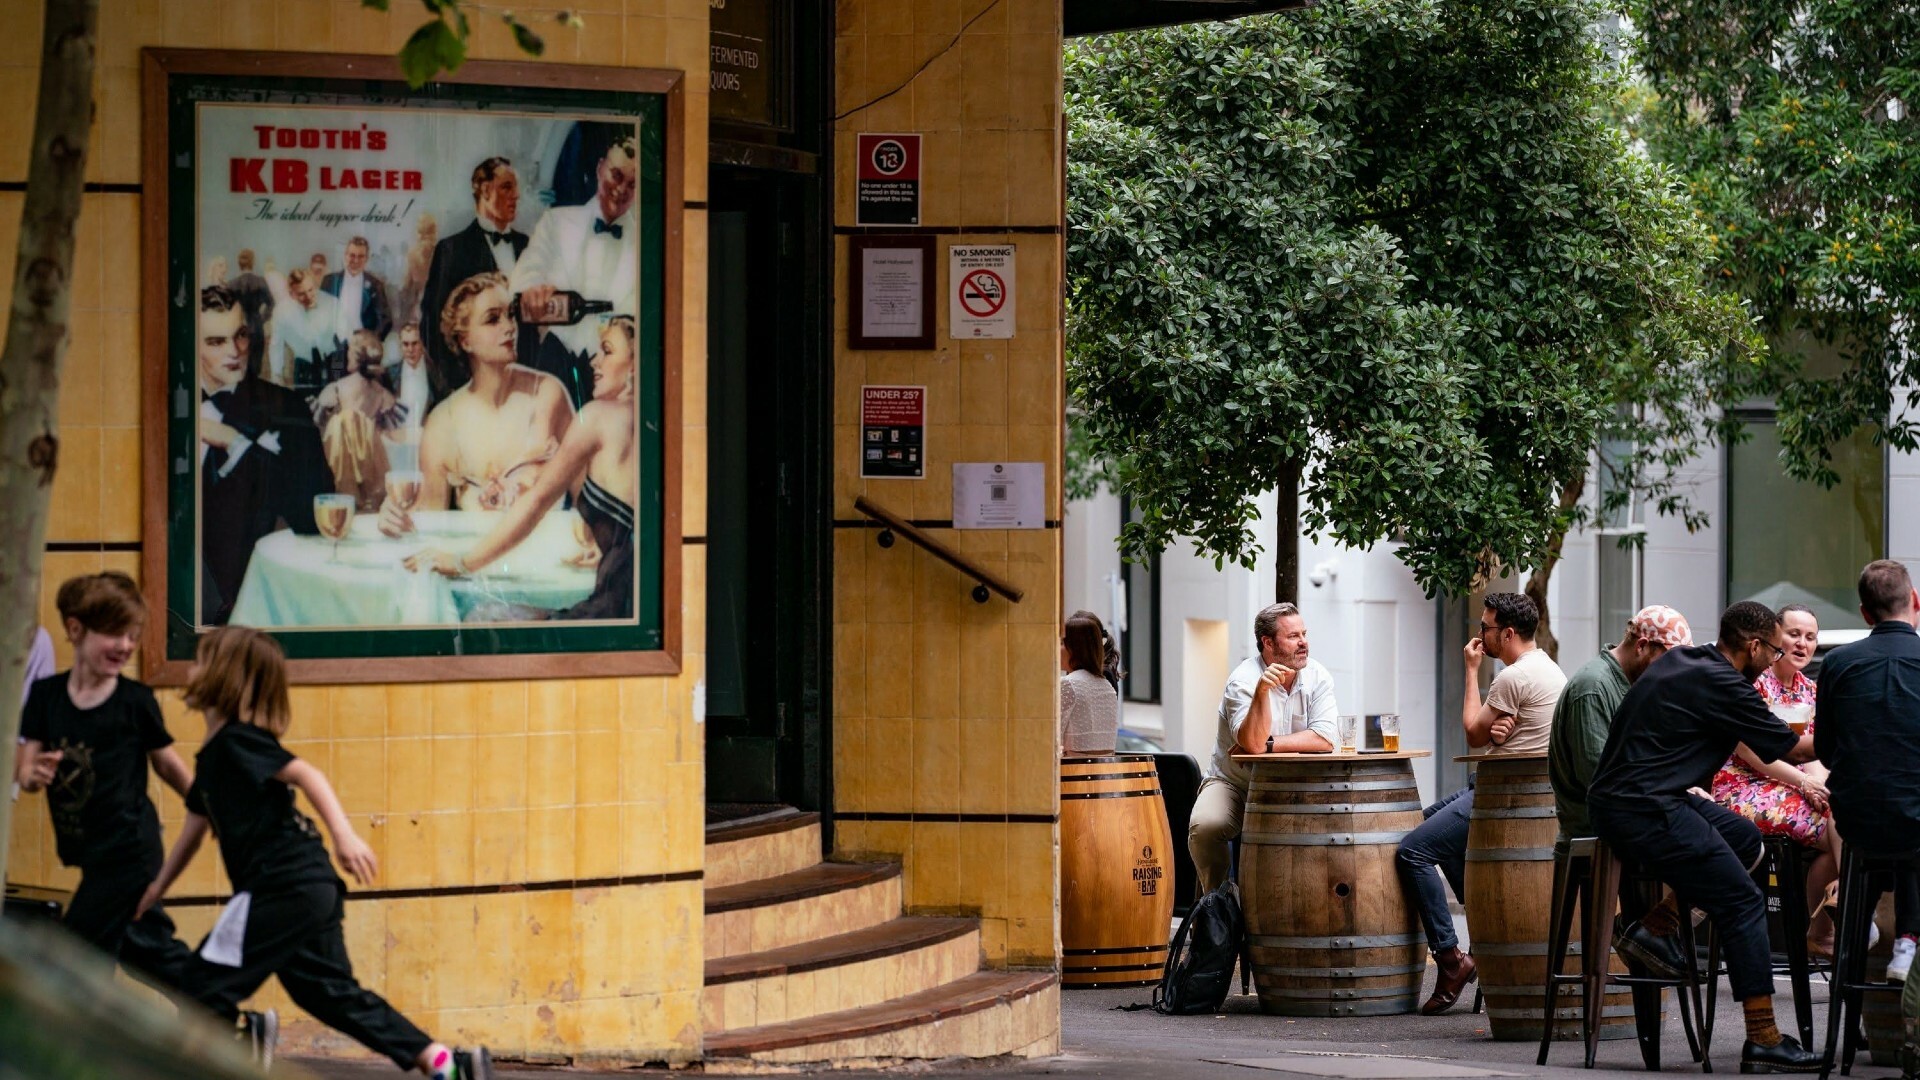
(1761, 1030)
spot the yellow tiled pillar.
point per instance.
(541, 842)
(946, 711)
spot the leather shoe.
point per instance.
(1660, 956)
(1457, 969)
(1786, 1057)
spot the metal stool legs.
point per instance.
(1595, 945)
(1569, 885)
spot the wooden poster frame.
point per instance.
(859, 243)
(160, 266)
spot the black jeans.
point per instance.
(295, 933)
(1438, 848)
(1704, 852)
(101, 914)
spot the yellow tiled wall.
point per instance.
(458, 786)
(944, 707)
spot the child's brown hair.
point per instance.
(242, 677)
(104, 603)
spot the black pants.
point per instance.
(1704, 852)
(295, 933)
(101, 914)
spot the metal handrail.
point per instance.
(893, 523)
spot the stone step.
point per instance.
(849, 971)
(986, 1014)
(824, 900)
(762, 846)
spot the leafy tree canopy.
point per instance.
(1397, 243)
(1793, 123)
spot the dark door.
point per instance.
(767, 495)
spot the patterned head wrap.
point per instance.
(1660, 625)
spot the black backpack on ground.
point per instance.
(1201, 956)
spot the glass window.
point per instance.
(1140, 641)
(1617, 556)
(1791, 541)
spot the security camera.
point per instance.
(1323, 573)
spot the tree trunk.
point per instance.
(37, 341)
(1570, 493)
(1286, 548)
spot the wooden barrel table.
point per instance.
(1116, 872)
(1509, 905)
(1329, 929)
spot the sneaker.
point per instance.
(474, 1064)
(262, 1033)
(1660, 956)
(1902, 960)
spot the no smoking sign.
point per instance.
(980, 293)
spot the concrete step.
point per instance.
(849, 971)
(765, 845)
(821, 901)
(986, 1014)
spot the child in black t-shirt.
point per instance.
(286, 913)
(89, 736)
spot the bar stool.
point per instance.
(1586, 870)
(1857, 874)
(1783, 877)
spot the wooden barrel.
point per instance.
(1330, 932)
(1509, 904)
(1116, 872)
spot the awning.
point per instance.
(1101, 16)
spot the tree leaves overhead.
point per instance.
(1794, 126)
(1396, 241)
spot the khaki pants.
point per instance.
(1215, 823)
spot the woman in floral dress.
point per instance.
(1790, 800)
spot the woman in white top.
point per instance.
(1089, 705)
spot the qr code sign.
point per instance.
(997, 492)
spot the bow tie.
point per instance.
(495, 237)
(220, 398)
(603, 227)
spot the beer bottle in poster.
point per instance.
(566, 308)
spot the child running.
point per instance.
(285, 916)
(89, 735)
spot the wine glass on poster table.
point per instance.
(333, 514)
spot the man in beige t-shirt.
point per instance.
(1516, 718)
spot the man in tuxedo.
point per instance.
(361, 296)
(260, 462)
(490, 244)
(592, 249)
(256, 300)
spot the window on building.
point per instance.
(1791, 541)
(1140, 643)
(1619, 555)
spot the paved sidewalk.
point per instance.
(1244, 1044)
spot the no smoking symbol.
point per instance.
(982, 293)
(889, 157)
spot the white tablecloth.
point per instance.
(291, 582)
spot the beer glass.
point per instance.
(1349, 733)
(1390, 732)
(333, 514)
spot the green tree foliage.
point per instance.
(440, 44)
(1397, 243)
(1794, 125)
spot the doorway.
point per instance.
(768, 495)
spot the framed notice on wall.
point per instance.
(890, 292)
(411, 395)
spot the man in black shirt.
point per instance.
(1676, 726)
(1869, 736)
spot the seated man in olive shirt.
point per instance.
(1674, 729)
(1584, 714)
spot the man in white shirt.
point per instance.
(413, 391)
(592, 249)
(1516, 718)
(1278, 701)
(361, 295)
(302, 348)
